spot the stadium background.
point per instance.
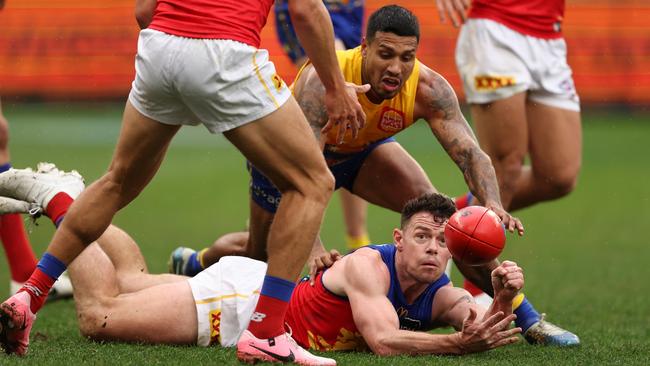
(65, 70)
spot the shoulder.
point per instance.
(365, 268)
(435, 97)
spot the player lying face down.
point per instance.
(404, 284)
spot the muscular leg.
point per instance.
(503, 134)
(555, 146)
(105, 314)
(282, 146)
(140, 149)
(355, 212)
(130, 267)
(401, 176)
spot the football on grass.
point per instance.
(474, 235)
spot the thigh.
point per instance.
(282, 146)
(390, 176)
(555, 141)
(141, 147)
(146, 315)
(502, 129)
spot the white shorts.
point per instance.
(220, 83)
(496, 62)
(226, 294)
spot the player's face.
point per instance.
(422, 247)
(388, 61)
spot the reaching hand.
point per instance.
(478, 336)
(456, 10)
(344, 111)
(507, 281)
(322, 261)
(509, 222)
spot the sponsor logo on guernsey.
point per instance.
(215, 326)
(487, 82)
(391, 120)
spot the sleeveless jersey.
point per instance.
(382, 120)
(237, 20)
(322, 320)
(537, 18)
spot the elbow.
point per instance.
(143, 17)
(301, 10)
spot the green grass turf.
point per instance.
(585, 256)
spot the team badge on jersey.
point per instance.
(215, 323)
(391, 120)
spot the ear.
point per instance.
(398, 235)
(364, 46)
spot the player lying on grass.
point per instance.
(404, 284)
(374, 166)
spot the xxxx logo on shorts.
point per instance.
(486, 82)
(391, 120)
(215, 329)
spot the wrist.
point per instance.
(458, 348)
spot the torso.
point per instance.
(237, 20)
(537, 18)
(322, 320)
(382, 120)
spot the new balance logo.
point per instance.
(258, 317)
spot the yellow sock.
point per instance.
(356, 242)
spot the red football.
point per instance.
(475, 235)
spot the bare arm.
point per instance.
(437, 103)
(366, 287)
(310, 94)
(453, 305)
(314, 29)
(144, 10)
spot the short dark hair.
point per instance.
(437, 204)
(393, 19)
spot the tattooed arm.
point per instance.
(436, 102)
(310, 94)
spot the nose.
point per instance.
(394, 67)
(433, 247)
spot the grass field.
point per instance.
(585, 256)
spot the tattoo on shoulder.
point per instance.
(311, 101)
(443, 100)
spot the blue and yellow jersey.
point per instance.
(382, 120)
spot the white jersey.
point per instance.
(226, 294)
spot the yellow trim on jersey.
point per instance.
(223, 297)
(259, 76)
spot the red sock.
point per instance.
(38, 287)
(20, 255)
(268, 319)
(463, 201)
(58, 206)
(471, 288)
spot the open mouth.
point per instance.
(390, 84)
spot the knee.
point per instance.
(92, 320)
(317, 185)
(561, 185)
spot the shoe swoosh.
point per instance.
(288, 358)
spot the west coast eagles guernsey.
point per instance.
(383, 120)
(323, 321)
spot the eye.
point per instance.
(407, 58)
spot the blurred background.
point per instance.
(67, 50)
(65, 71)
